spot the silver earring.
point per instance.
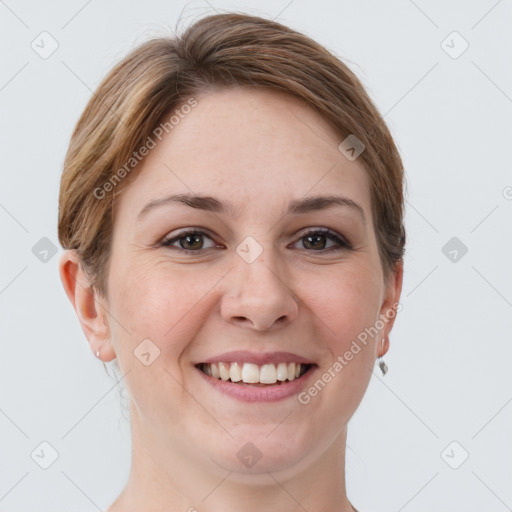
(98, 354)
(383, 366)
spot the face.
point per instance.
(258, 274)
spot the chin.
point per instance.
(258, 453)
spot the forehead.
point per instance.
(250, 147)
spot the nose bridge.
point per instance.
(258, 293)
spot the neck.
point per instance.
(174, 480)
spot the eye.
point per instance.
(189, 241)
(315, 240)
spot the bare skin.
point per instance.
(257, 150)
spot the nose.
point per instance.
(258, 297)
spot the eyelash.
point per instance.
(344, 245)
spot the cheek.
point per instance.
(347, 302)
(348, 309)
(159, 303)
(166, 309)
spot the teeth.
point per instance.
(235, 372)
(282, 371)
(268, 374)
(224, 371)
(252, 373)
(291, 371)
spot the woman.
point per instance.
(232, 209)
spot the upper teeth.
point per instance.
(253, 373)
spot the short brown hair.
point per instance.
(224, 50)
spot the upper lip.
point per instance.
(246, 356)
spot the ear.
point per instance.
(89, 306)
(390, 306)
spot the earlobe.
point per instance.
(91, 313)
(390, 306)
(383, 347)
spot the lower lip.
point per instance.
(269, 393)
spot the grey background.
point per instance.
(451, 350)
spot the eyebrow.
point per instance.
(297, 206)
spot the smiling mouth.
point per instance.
(254, 374)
